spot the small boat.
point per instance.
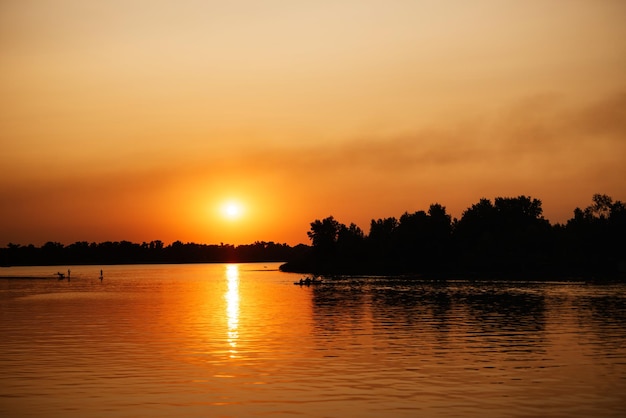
(308, 281)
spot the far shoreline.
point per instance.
(473, 276)
(330, 275)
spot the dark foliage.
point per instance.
(124, 252)
(508, 237)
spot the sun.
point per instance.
(232, 210)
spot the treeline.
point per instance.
(507, 237)
(125, 252)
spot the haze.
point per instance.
(137, 120)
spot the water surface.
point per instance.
(242, 340)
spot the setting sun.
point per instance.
(232, 210)
(235, 122)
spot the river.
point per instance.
(241, 340)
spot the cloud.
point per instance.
(540, 136)
(604, 117)
(542, 146)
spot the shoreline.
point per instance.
(51, 277)
(469, 276)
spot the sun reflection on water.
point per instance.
(232, 306)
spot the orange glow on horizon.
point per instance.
(352, 109)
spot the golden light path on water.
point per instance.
(233, 340)
(232, 306)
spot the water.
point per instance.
(241, 340)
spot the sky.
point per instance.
(139, 120)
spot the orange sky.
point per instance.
(135, 119)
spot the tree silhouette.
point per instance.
(510, 235)
(323, 236)
(380, 243)
(601, 207)
(439, 236)
(351, 245)
(126, 252)
(410, 243)
(595, 237)
(475, 236)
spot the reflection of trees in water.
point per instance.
(513, 319)
(409, 303)
(437, 312)
(338, 308)
(502, 310)
(420, 312)
(604, 315)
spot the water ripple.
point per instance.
(215, 340)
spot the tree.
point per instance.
(323, 236)
(601, 206)
(351, 236)
(510, 235)
(381, 243)
(382, 230)
(410, 241)
(351, 246)
(439, 236)
(594, 238)
(473, 236)
(52, 253)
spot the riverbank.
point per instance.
(13, 277)
(451, 275)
